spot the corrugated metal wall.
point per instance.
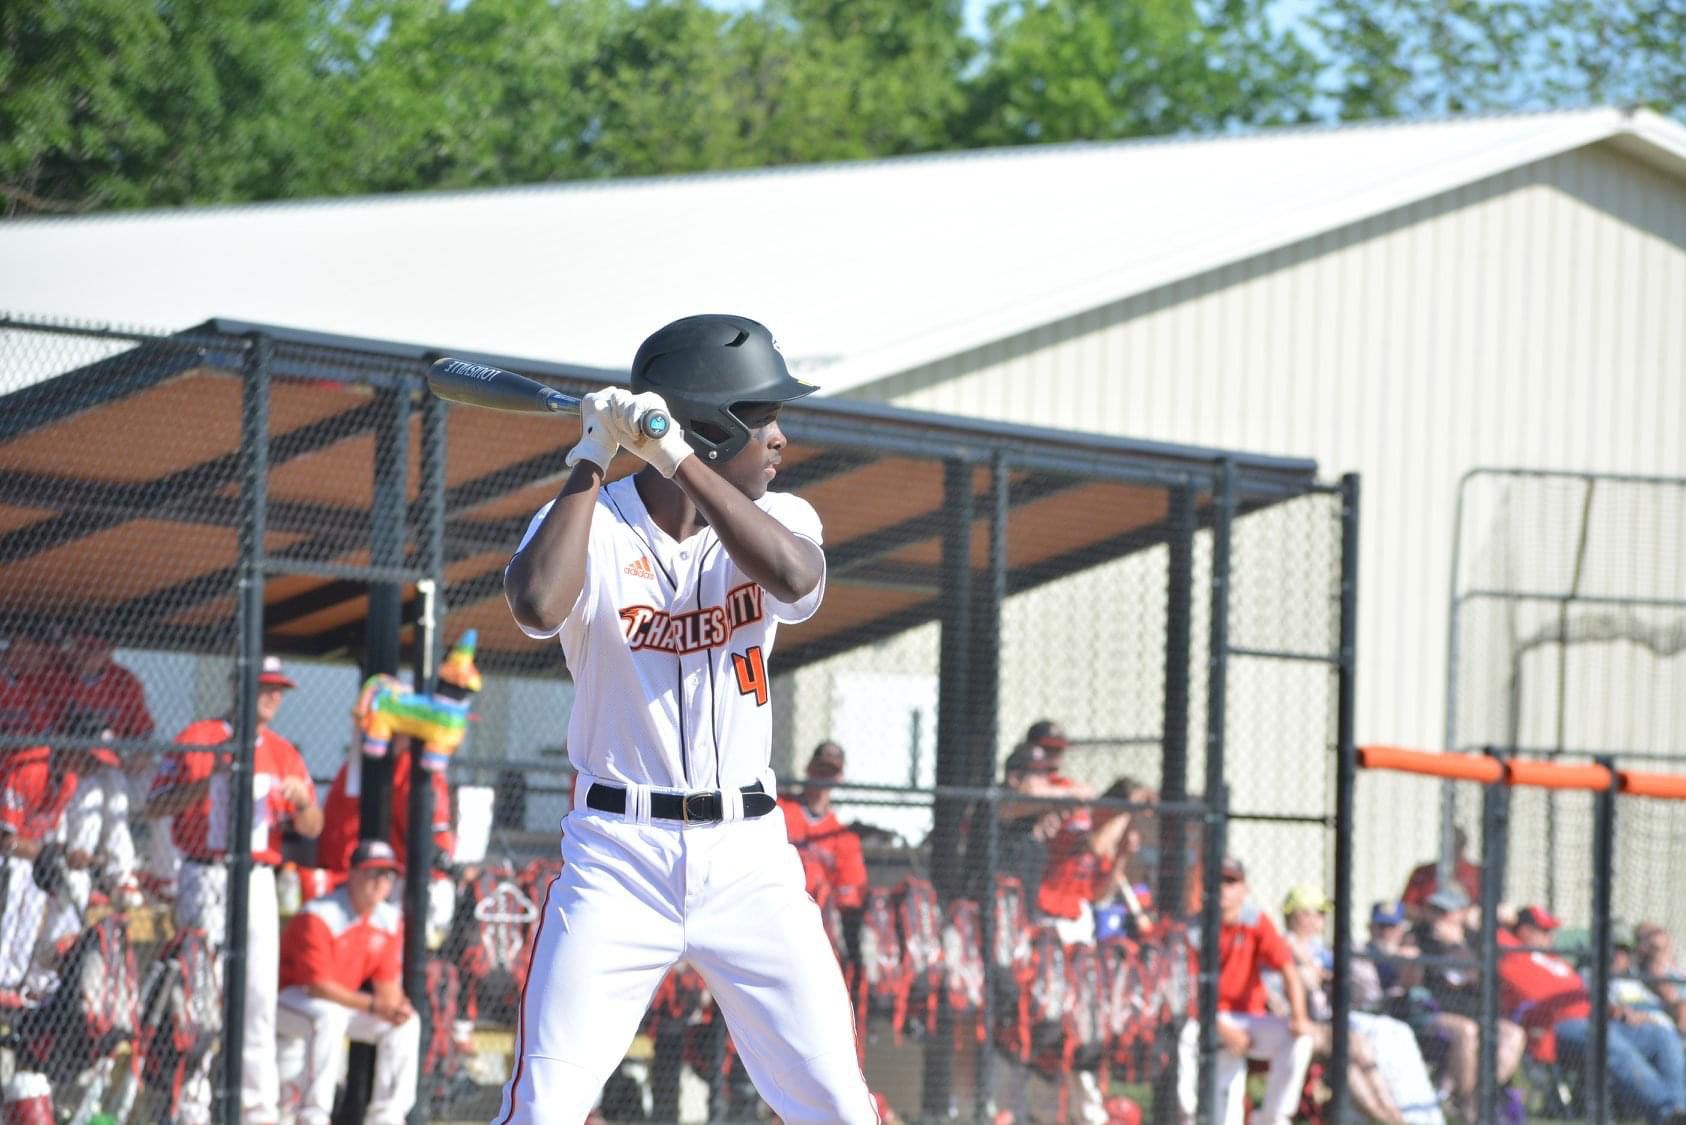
(1535, 319)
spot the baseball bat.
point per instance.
(475, 384)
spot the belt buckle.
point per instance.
(685, 808)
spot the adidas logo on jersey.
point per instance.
(641, 569)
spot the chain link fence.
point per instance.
(1052, 681)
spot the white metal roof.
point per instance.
(862, 269)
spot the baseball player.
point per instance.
(666, 589)
(192, 787)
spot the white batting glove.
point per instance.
(622, 412)
(596, 444)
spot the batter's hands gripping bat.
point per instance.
(475, 384)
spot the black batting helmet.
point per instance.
(706, 366)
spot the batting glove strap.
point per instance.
(597, 444)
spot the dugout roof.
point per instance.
(119, 494)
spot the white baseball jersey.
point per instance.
(669, 645)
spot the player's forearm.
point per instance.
(169, 802)
(307, 822)
(783, 563)
(357, 1001)
(545, 578)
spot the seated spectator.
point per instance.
(1081, 859)
(831, 853)
(329, 951)
(1248, 946)
(1380, 979)
(1543, 992)
(1023, 827)
(1631, 999)
(1385, 1071)
(1448, 1022)
(1424, 879)
(1653, 954)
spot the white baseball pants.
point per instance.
(1287, 1054)
(729, 898)
(324, 1026)
(202, 902)
(25, 909)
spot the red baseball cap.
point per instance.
(377, 854)
(1538, 917)
(271, 675)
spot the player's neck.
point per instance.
(669, 507)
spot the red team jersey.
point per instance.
(831, 854)
(32, 799)
(32, 704)
(327, 941)
(200, 831)
(116, 696)
(1245, 948)
(1425, 880)
(342, 816)
(1073, 869)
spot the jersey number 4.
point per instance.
(752, 674)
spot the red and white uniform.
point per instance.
(328, 941)
(1246, 948)
(31, 704)
(342, 815)
(200, 832)
(1065, 896)
(33, 800)
(116, 696)
(669, 645)
(831, 854)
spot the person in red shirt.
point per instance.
(1424, 879)
(1249, 944)
(33, 687)
(343, 812)
(334, 946)
(37, 784)
(192, 787)
(831, 853)
(1544, 993)
(99, 685)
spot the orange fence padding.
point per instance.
(1520, 771)
(1461, 767)
(1670, 786)
(1549, 775)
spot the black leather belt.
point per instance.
(707, 807)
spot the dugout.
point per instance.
(239, 488)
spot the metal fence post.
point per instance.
(254, 500)
(1603, 879)
(1346, 770)
(1171, 883)
(1495, 831)
(1217, 793)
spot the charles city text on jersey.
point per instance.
(710, 627)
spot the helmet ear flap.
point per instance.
(718, 436)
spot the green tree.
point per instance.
(1058, 70)
(113, 103)
(1423, 57)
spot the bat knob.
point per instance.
(655, 425)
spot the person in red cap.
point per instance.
(343, 811)
(831, 853)
(1544, 993)
(1249, 944)
(335, 945)
(191, 787)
